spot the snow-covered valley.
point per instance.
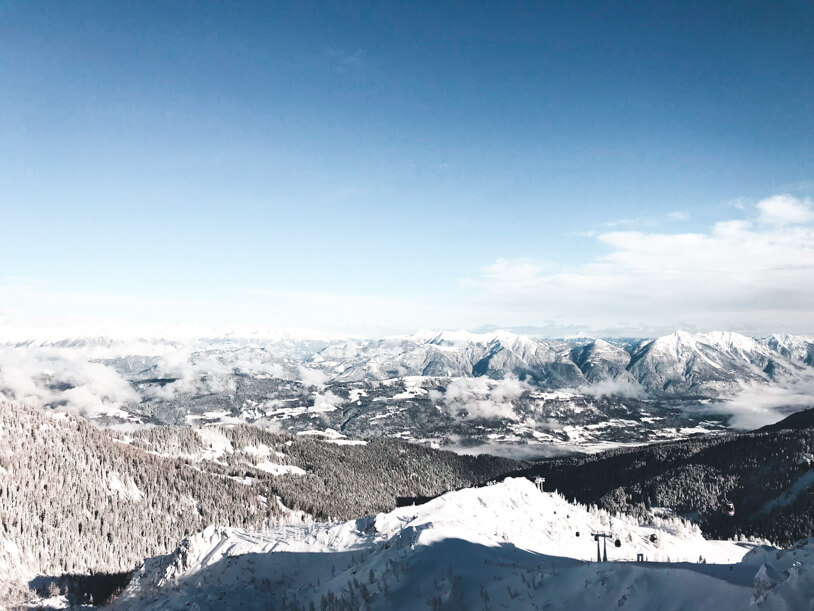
(497, 392)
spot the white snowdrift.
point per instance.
(277, 469)
(502, 546)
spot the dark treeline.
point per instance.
(767, 476)
(91, 589)
(341, 481)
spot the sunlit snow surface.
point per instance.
(502, 546)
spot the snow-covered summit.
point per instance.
(507, 543)
(729, 342)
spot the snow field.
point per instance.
(506, 545)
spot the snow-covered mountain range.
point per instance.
(677, 364)
(478, 391)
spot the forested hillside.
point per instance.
(74, 499)
(326, 478)
(767, 476)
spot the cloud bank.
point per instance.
(614, 388)
(53, 378)
(758, 405)
(83, 380)
(752, 274)
(473, 398)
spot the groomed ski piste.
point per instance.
(503, 546)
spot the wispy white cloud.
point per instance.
(94, 380)
(786, 210)
(312, 377)
(55, 378)
(752, 274)
(620, 223)
(614, 388)
(739, 203)
(758, 405)
(472, 398)
(326, 402)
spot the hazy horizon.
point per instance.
(183, 333)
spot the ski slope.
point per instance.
(506, 545)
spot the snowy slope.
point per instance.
(793, 347)
(784, 580)
(709, 364)
(503, 546)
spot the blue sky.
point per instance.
(378, 167)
